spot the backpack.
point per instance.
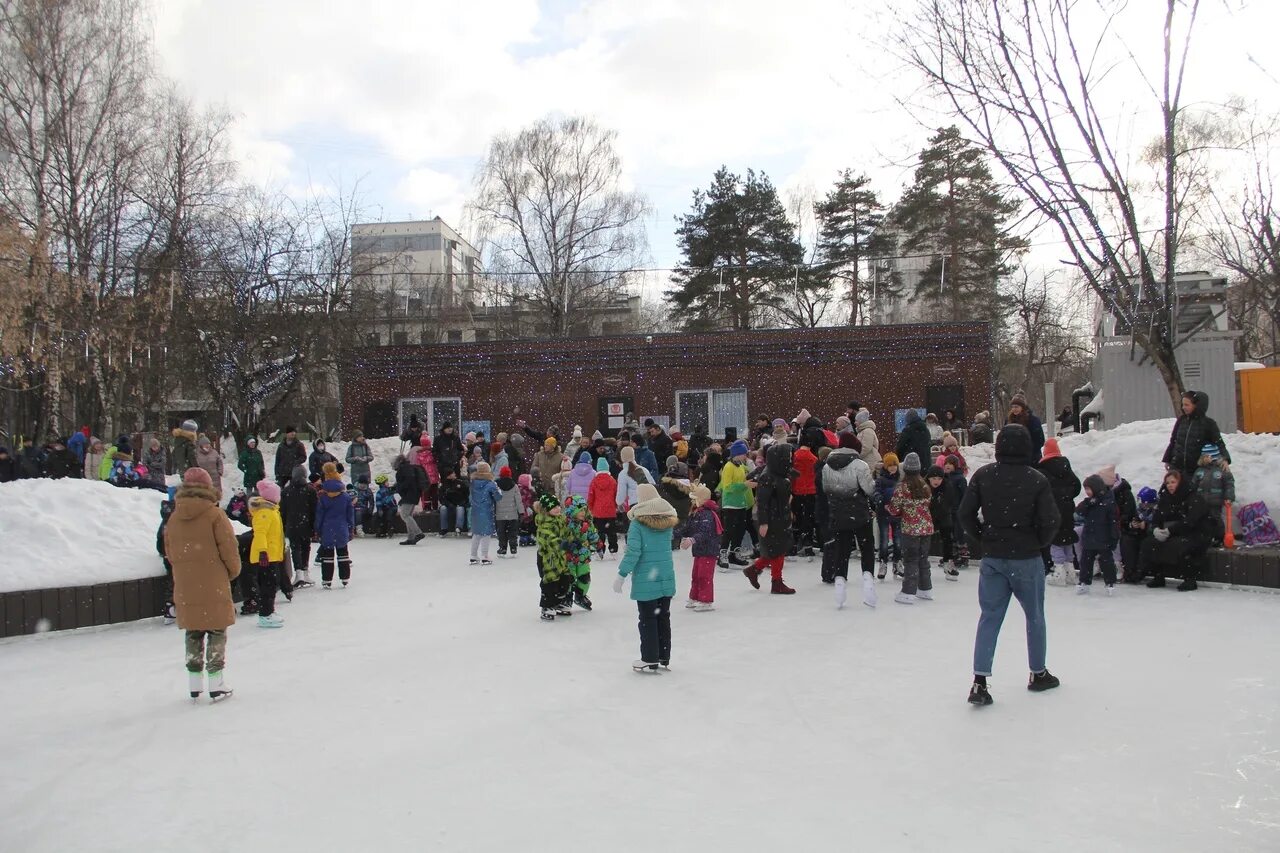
(1257, 525)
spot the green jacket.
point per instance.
(252, 465)
(648, 558)
(550, 531)
(108, 462)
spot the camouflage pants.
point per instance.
(213, 651)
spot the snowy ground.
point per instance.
(426, 707)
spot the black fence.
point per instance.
(35, 610)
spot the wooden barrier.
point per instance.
(34, 610)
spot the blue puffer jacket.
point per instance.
(335, 515)
(484, 505)
(648, 557)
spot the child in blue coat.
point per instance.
(384, 503)
(335, 519)
(484, 513)
(1097, 512)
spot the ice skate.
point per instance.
(664, 665)
(897, 570)
(249, 608)
(842, 592)
(641, 666)
(195, 684)
(904, 598)
(703, 606)
(486, 562)
(170, 615)
(950, 572)
(1187, 585)
(303, 580)
(473, 562)
(344, 584)
(564, 610)
(272, 621)
(869, 597)
(722, 562)
(218, 689)
(924, 595)
(884, 569)
(779, 587)
(1111, 589)
(690, 604)
(582, 601)
(1082, 589)
(1042, 681)
(548, 615)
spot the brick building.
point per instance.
(719, 380)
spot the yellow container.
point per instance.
(1260, 399)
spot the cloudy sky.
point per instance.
(403, 96)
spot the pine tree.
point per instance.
(740, 254)
(851, 233)
(955, 211)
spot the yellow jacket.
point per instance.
(268, 531)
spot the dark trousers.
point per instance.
(946, 543)
(802, 507)
(1108, 566)
(267, 578)
(655, 630)
(839, 548)
(508, 535)
(300, 548)
(249, 583)
(1129, 549)
(384, 521)
(327, 556)
(554, 593)
(736, 523)
(608, 530)
(1177, 555)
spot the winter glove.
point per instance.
(1161, 534)
(618, 582)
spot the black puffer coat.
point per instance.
(298, 505)
(1066, 488)
(773, 502)
(1185, 514)
(1190, 434)
(1019, 515)
(447, 448)
(914, 438)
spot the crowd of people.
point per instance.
(787, 490)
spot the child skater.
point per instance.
(1097, 512)
(603, 508)
(510, 509)
(910, 505)
(579, 544)
(384, 503)
(653, 578)
(484, 513)
(267, 550)
(553, 567)
(335, 519)
(530, 501)
(888, 526)
(702, 533)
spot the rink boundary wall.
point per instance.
(81, 606)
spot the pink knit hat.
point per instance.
(268, 490)
(196, 477)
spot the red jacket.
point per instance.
(601, 496)
(804, 462)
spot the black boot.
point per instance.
(1155, 583)
(1187, 585)
(978, 694)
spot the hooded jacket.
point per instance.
(646, 459)
(579, 480)
(849, 488)
(251, 463)
(648, 558)
(411, 482)
(870, 443)
(201, 546)
(628, 486)
(804, 461)
(734, 491)
(289, 455)
(359, 458)
(316, 461)
(298, 505)
(209, 458)
(1066, 487)
(484, 505)
(704, 528)
(773, 502)
(1190, 434)
(268, 531)
(184, 449)
(447, 450)
(1099, 517)
(1184, 514)
(510, 504)
(602, 496)
(914, 438)
(675, 491)
(1019, 514)
(335, 515)
(709, 470)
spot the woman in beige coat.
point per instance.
(201, 546)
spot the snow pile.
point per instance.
(385, 451)
(77, 532)
(1136, 448)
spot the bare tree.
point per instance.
(1046, 335)
(559, 225)
(1023, 77)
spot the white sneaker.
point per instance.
(924, 595)
(842, 593)
(903, 598)
(1081, 589)
(868, 589)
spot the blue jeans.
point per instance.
(458, 515)
(998, 580)
(888, 551)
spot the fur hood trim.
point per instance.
(188, 490)
(656, 522)
(179, 432)
(682, 485)
(259, 502)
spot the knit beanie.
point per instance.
(935, 471)
(646, 492)
(1212, 451)
(483, 468)
(602, 465)
(779, 423)
(738, 448)
(911, 464)
(672, 462)
(330, 470)
(550, 443)
(849, 441)
(268, 490)
(890, 460)
(525, 480)
(504, 471)
(1051, 449)
(190, 425)
(700, 494)
(628, 454)
(548, 502)
(197, 477)
(861, 417)
(1018, 400)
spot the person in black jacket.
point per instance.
(290, 453)
(1097, 512)
(447, 449)
(1020, 413)
(1181, 529)
(1066, 488)
(455, 498)
(9, 470)
(1192, 431)
(1018, 518)
(411, 485)
(62, 462)
(914, 438)
(412, 434)
(942, 509)
(298, 514)
(773, 515)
